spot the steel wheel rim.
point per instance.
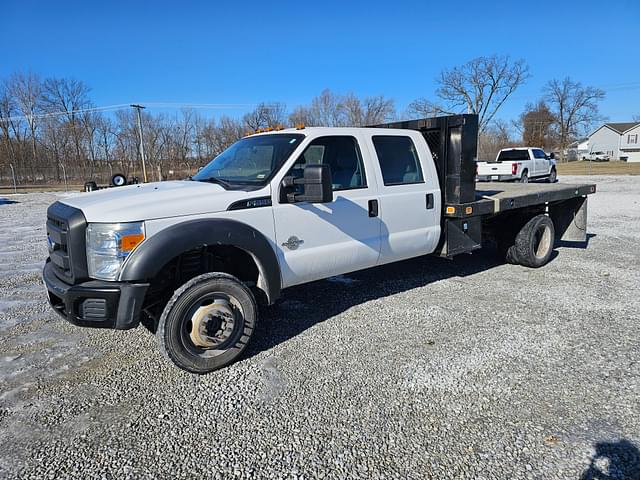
(542, 241)
(212, 324)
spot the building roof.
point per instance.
(621, 127)
(578, 142)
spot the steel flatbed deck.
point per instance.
(496, 197)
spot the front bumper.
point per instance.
(496, 178)
(95, 303)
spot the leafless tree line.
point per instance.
(565, 111)
(46, 134)
(50, 130)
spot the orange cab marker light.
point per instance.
(300, 126)
(129, 242)
(451, 210)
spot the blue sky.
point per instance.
(244, 52)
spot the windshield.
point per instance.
(507, 155)
(250, 161)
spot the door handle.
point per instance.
(373, 208)
(429, 201)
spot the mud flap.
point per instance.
(570, 220)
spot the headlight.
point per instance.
(108, 245)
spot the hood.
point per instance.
(156, 200)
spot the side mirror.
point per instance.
(317, 185)
(552, 156)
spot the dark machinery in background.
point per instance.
(118, 180)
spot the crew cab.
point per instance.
(520, 165)
(192, 259)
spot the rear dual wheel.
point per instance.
(208, 323)
(533, 244)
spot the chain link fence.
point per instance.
(73, 178)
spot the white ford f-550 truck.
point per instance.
(520, 165)
(192, 259)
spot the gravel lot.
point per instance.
(423, 369)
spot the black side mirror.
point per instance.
(552, 156)
(317, 185)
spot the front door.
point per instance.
(314, 240)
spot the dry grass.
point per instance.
(599, 168)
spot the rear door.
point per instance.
(409, 195)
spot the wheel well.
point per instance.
(182, 268)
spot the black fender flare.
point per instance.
(147, 260)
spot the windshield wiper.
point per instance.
(217, 180)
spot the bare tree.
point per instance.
(370, 111)
(377, 110)
(636, 118)
(326, 109)
(493, 138)
(536, 125)
(480, 86)
(26, 90)
(302, 115)
(69, 96)
(266, 115)
(7, 124)
(275, 114)
(575, 108)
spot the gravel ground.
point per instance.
(423, 369)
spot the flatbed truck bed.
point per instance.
(476, 210)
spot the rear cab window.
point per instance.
(398, 160)
(513, 155)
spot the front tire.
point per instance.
(553, 176)
(208, 323)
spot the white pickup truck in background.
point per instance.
(518, 164)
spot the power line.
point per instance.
(121, 106)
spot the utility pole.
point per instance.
(144, 167)
(13, 174)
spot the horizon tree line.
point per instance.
(50, 129)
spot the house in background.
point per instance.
(609, 139)
(630, 144)
(577, 149)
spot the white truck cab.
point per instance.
(519, 164)
(192, 259)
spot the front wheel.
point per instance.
(553, 176)
(208, 323)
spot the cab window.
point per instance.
(342, 154)
(398, 160)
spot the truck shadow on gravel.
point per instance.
(614, 461)
(307, 305)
